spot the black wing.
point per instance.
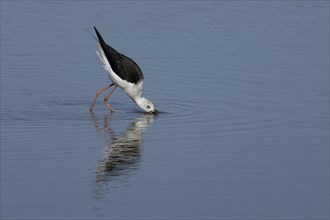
(122, 65)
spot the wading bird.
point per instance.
(124, 73)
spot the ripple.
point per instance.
(176, 109)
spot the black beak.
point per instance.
(156, 112)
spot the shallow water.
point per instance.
(243, 94)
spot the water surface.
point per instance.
(243, 90)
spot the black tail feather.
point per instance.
(101, 41)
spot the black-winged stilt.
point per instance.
(123, 72)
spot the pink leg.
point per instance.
(97, 95)
(107, 97)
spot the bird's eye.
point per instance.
(148, 106)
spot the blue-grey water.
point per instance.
(243, 91)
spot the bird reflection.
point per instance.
(123, 152)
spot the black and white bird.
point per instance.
(124, 73)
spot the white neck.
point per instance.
(139, 100)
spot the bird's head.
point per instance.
(146, 105)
